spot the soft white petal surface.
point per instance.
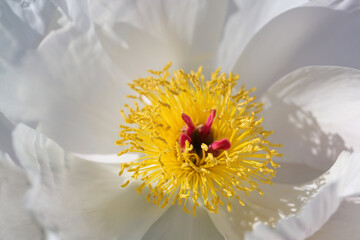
(295, 173)
(344, 5)
(140, 34)
(16, 223)
(343, 224)
(279, 200)
(79, 199)
(68, 89)
(175, 224)
(32, 13)
(23, 24)
(315, 113)
(297, 38)
(245, 19)
(342, 181)
(6, 127)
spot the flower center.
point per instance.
(202, 142)
(197, 136)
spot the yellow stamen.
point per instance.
(177, 173)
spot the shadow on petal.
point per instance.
(341, 181)
(304, 142)
(279, 201)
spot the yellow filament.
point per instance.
(180, 174)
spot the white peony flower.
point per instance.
(64, 69)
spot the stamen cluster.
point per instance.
(201, 143)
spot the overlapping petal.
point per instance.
(244, 20)
(342, 181)
(16, 223)
(177, 225)
(325, 34)
(315, 113)
(142, 35)
(342, 223)
(278, 201)
(74, 97)
(6, 127)
(77, 199)
(23, 24)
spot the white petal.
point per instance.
(343, 224)
(141, 35)
(16, 223)
(345, 5)
(34, 13)
(6, 128)
(23, 25)
(175, 224)
(297, 38)
(69, 90)
(79, 199)
(76, 12)
(110, 158)
(245, 19)
(279, 200)
(295, 173)
(341, 181)
(315, 113)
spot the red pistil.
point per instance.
(190, 128)
(205, 129)
(202, 134)
(223, 144)
(182, 140)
